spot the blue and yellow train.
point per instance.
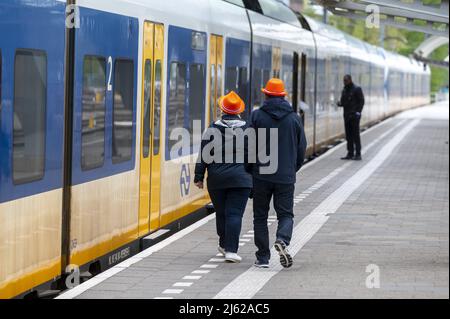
(90, 91)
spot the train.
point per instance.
(92, 90)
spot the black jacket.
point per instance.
(222, 175)
(352, 100)
(278, 113)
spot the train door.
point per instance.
(215, 75)
(150, 159)
(302, 96)
(295, 87)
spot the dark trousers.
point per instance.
(230, 205)
(283, 201)
(352, 134)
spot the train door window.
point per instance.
(93, 128)
(219, 80)
(30, 99)
(219, 87)
(212, 94)
(303, 70)
(276, 62)
(295, 75)
(122, 143)
(157, 106)
(196, 94)
(309, 83)
(177, 98)
(147, 108)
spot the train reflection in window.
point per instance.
(157, 113)
(196, 94)
(93, 118)
(123, 111)
(30, 95)
(147, 108)
(177, 98)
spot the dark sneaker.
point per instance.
(261, 264)
(357, 158)
(347, 158)
(285, 258)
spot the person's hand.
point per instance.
(358, 115)
(199, 185)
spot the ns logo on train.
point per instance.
(185, 180)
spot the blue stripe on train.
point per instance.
(39, 27)
(105, 35)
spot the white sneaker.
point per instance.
(233, 258)
(260, 264)
(221, 250)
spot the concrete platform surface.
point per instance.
(378, 228)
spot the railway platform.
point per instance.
(378, 228)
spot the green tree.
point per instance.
(439, 76)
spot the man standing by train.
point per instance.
(276, 114)
(352, 100)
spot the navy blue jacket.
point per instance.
(278, 113)
(225, 175)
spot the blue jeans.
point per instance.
(230, 205)
(283, 201)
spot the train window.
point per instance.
(270, 8)
(122, 143)
(257, 85)
(237, 2)
(157, 106)
(93, 105)
(147, 108)
(243, 84)
(196, 94)
(177, 99)
(279, 11)
(30, 99)
(265, 79)
(288, 79)
(231, 79)
(237, 80)
(198, 41)
(253, 5)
